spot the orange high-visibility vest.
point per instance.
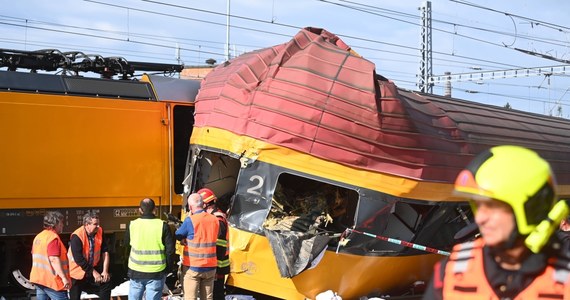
(201, 250)
(465, 277)
(75, 270)
(42, 271)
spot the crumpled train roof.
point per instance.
(313, 94)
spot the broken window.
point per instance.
(305, 205)
(430, 224)
(275, 198)
(216, 171)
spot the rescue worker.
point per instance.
(50, 268)
(89, 260)
(511, 190)
(200, 230)
(152, 247)
(222, 251)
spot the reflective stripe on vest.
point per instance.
(74, 269)
(42, 271)
(201, 250)
(561, 275)
(465, 277)
(147, 251)
(223, 251)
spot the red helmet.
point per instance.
(208, 196)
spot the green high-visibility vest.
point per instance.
(147, 251)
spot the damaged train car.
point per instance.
(303, 140)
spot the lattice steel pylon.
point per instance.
(425, 72)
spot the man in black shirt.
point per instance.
(89, 260)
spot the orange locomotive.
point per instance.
(73, 144)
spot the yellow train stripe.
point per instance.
(291, 159)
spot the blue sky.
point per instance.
(467, 37)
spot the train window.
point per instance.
(406, 220)
(301, 217)
(183, 117)
(217, 172)
(270, 197)
(309, 206)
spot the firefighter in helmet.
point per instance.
(512, 192)
(222, 250)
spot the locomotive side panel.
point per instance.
(78, 153)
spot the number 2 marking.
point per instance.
(256, 189)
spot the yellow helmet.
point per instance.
(514, 175)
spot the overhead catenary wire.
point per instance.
(117, 32)
(448, 23)
(551, 25)
(258, 20)
(99, 36)
(299, 27)
(466, 60)
(246, 18)
(257, 30)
